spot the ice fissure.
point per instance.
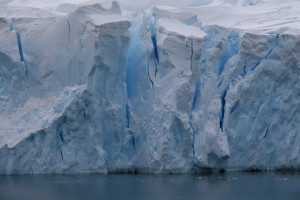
(18, 34)
(267, 131)
(154, 42)
(69, 33)
(19, 43)
(128, 115)
(192, 54)
(223, 104)
(156, 92)
(273, 46)
(149, 70)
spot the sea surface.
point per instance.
(228, 186)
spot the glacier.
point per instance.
(184, 87)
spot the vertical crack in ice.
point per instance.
(274, 45)
(61, 154)
(128, 125)
(154, 41)
(132, 139)
(148, 71)
(20, 45)
(196, 96)
(19, 42)
(244, 69)
(194, 99)
(220, 82)
(69, 33)
(267, 131)
(233, 48)
(193, 137)
(18, 34)
(192, 53)
(127, 115)
(223, 103)
(61, 137)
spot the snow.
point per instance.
(182, 29)
(181, 87)
(268, 17)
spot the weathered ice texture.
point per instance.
(84, 89)
(63, 92)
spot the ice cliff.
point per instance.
(85, 88)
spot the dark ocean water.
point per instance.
(228, 186)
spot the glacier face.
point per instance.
(68, 110)
(87, 90)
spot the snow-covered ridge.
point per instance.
(87, 90)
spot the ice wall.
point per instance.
(66, 110)
(86, 90)
(167, 65)
(216, 98)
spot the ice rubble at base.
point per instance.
(85, 90)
